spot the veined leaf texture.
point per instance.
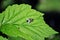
(16, 21)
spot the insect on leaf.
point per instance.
(22, 21)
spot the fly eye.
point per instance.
(29, 20)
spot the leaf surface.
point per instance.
(1, 38)
(21, 20)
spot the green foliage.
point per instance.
(54, 37)
(16, 38)
(1, 19)
(5, 3)
(48, 5)
(14, 23)
(1, 38)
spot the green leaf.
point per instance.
(1, 19)
(16, 38)
(1, 38)
(22, 21)
(54, 37)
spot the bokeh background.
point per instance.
(50, 8)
